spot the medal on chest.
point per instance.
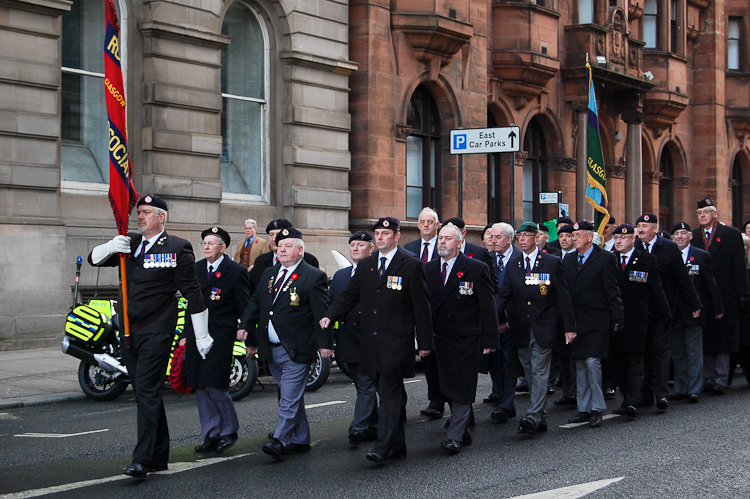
(394, 282)
(466, 288)
(159, 260)
(215, 294)
(294, 297)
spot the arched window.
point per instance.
(84, 131)
(422, 154)
(534, 171)
(666, 190)
(738, 209)
(244, 117)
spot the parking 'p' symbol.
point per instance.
(459, 141)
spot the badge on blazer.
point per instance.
(161, 240)
(536, 279)
(216, 294)
(694, 269)
(294, 297)
(543, 290)
(159, 260)
(394, 282)
(636, 276)
(270, 284)
(466, 288)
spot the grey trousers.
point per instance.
(536, 364)
(291, 378)
(216, 411)
(686, 347)
(460, 415)
(716, 369)
(589, 381)
(366, 405)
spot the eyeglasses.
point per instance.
(705, 211)
(426, 222)
(208, 244)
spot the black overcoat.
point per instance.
(702, 276)
(349, 326)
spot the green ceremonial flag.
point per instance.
(552, 227)
(596, 183)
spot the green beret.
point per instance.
(528, 227)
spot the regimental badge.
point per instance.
(214, 229)
(466, 288)
(148, 199)
(543, 290)
(294, 297)
(270, 284)
(161, 240)
(216, 294)
(159, 260)
(394, 282)
(694, 270)
(637, 276)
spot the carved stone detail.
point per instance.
(600, 45)
(617, 54)
(651, 177)
(562, 164)
(617, 171)
(683, 182)
(402, 132)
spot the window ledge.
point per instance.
(83, 188)
(243, 199)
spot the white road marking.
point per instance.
(5, 415)
(59, 435)
(573, 425)
(174, 468)
(412, 381)
(571, 492)
(323, 404)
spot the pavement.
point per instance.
(38, 376)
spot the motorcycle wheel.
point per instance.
(98, 384)
(319, 371)
(243, 377)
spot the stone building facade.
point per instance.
(236, 109)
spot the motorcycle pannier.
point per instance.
(87, 325)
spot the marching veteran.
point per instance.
(464, 319)
(534, 294)
(286, 308)
(392, 289)
(160, 264)
(226, 291)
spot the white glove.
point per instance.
(203, 340)
(118, 244)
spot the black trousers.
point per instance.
(392, 422)
(656, 367)
(627, 371)
(432, 376)
(147, 365)
(567, 370)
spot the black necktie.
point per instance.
(528, 265)
(580, 260)
(424, 252)
(143, 248)
(444, 272)
(624, 262)
(647, 245)
(277, 287)
(381, 270)
(210, 270)
(708, 234)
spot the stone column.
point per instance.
(634, 163)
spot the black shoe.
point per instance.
(452, 446)
(297, 448)
(501, 415)
(157, 467)
(676, 396)
(227, 441)
(620, 410)
(397, 454)
(375, 457)
(595, 421)
(566, 401)
(631, 411)
(693, 398)
(526, 425)
(356, 437)
(550, 390)
(468, 440)
(136, 470)
(275, 449)
(646, 402)
(431, 413)
(448, 422)
(541, 428)
(369, 435)
(581, 417)
(492, 399)
(718, 390)
(662, 404)
(707, 388)
(609, 393)
(208, 445)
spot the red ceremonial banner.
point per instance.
(122, 195)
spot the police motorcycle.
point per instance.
(92, 335)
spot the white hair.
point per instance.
(508, 229)
(159, 211)
(459, 234)
(429, 210)
(251, 222)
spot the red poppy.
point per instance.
(718, 240)
(460, 274)
(218, 274)
(470, 255)
(293, 277)
(692, 258)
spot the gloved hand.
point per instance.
(203, 340)
(118, 244)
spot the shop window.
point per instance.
(422, 154)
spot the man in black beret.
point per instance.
(160, 264)
(225, 289)
(686, 336)
(678, 288)
(561, 222)
(609, 229)
(391, 287)
(721, 336)
(562, 349)
(364, 425)
(542, 242)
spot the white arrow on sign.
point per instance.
(571, 492)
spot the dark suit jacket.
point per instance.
(480, 253)
(596, 301)
(548, 248)
(727, 262)
(390, 317)
(349, 326)
(265, 261)
(230, 289)
(464, 323)
(415, 248)
(152, 289)
(530, 307)
(700, 271)
(638, 297)
(296, 325)
(674, 277)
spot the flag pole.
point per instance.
(126, 341)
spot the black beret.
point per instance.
(484, 231)
(528, 227)
(362, 235)
(154, 201)
(567, 228)
(648, 218)
(565, 220)
(279, 223)
(287, 233)
(583, 225)
(625, 229)
(611, 220)
(458, 222)
(544, 228)
(387, 223)
(702, 203)
(219, 232)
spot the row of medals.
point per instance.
(164, 260)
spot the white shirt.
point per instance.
(531, 256)
(388, 257)
(566, 253)
(272, 336)
(609, 244)
(505, 256)
(354, 269)
(430, 248)
(216, 264)
(685, 254)
(651, 244)
(627, 256)
(151, 241)
(449, 268)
